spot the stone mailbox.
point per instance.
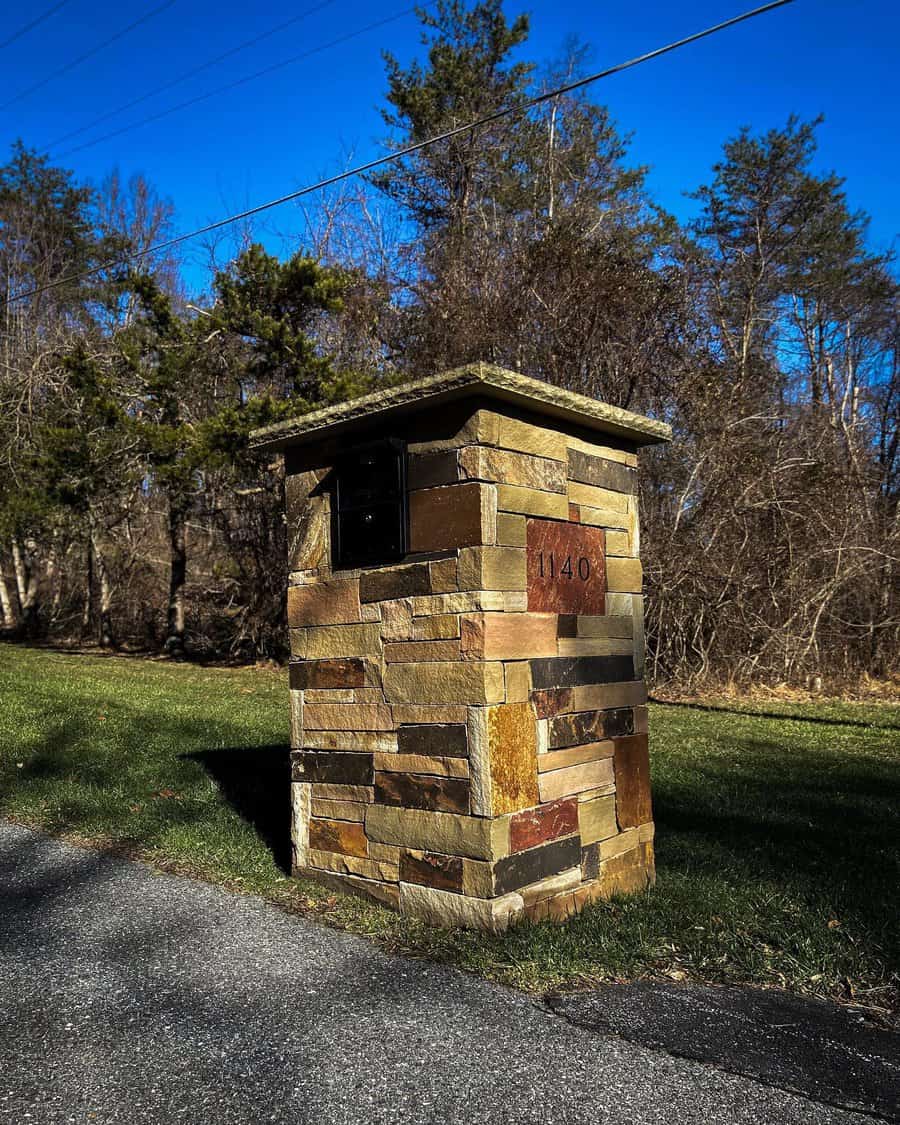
(468, 713)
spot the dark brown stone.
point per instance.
(432, 870)
(589, 726)
(343, 836)
(618, 722)
(440, 518)
(567, 625)
(578, 671)
(536, 826)
(566, 567)
(590, 861)
(397, 582)
(426, 470)
(422, 791)
(632, 765)
(437, 740)
(600, 472)
(340, 672)
(552, 701)
(528, 867)
(332, 768)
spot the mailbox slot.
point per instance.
(370, 506)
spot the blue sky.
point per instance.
(300, 122)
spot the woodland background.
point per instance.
(766, 332)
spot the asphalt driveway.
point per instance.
(130, 996)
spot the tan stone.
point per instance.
(492, 568)
(324, 602)
(512, 747)
(298, 639)
(531, 502)
(595, 646)
(406, 652)
(620, 605)
(603, 517)
(396, 619)
(471, 601)
(604, 697)
(605, 627)
(347, 716)
(416, 713)
(322, 791)
(444, 626)
(449, 910)
(591, 496)
(296, 705)
(343, 836)
(624, 575)
(447, 833)
(339, 810)
(618, 845)
(619, 543)
(602, 451)
(465, 682)
(508, 636)
(511, 530)
(551, 885)
(478, 878)
(575, 755)
(640, 648)
(455, 515)
(343, 640)
(577, 779)
(353, 865)
(480, 782)
(361, 741)
(481, 463)
(385, 853)
(370, 611)
(328, 695)
(422, 763)
(527, 438)
(518, 681)
(307, 518)
(443, 575)
(301, 811)
(367, 695)
(386, 894)
(597, 819)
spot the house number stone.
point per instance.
(566, 568)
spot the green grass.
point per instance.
(777, 826)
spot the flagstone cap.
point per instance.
(477, 380)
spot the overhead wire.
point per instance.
(228, 87)
(36, 22)
(192, 73)
(47, 79)
(517, 110)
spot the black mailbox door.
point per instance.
(370, 517)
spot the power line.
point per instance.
(239, 82)
(360, 169)
(87, 55)
(191, 73)
(34, 23)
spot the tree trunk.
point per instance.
(105, 631)
(177, 576)
(87, 612)
(8, 607)
(19, 570)
(24, 563)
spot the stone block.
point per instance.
(444, 575)
(428, 470)
(512, 750)
(622, 456)
(354, 865)
(524, 437)
(296, 710)
(478, 878)
(427, 714)
(307, 519)
(353, 740)
(478, 462)
(586, 495)
(491, 568)
(531, 827)
(597, 820)
(444, 740)
(301, 811)
(629, 873)
(604, 517)
(325, 602)
(428, 869)
(577, 671)
(581, 727)
(465, 682)
(566, 565)
(421, 763)
(395, 582)
(507, 636)
(327, 641)
(422, 791)
(602, 472)
(532, 502)
(342, 672)
(339, 810)
(622, 842)
(619, 543)
(632, 759)
(622, 627)
(449, 910)
(447, 833)
(346, 837)
(340, 791)
(565, 881)
(572, 780)
(510, 530)
(596, 646)
(602, 697)
(639, 644)
(624, 575)
(442, 627)
(332, 768)
(328, 695)
(518, 681)
(385, 894)
(525, 868)
(456, 515)
(552, 701)
(396, 620)
(414, 652)
(297, 639)
(345, 716)
(575, 755)
(641, 722)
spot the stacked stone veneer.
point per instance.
(455, 753)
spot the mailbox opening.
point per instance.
(370, 508)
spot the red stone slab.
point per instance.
(546, 822)
(566, 568)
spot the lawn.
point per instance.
(777, 828)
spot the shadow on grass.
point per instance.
(255, 781)
(779, 716)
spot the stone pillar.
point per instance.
(469, 722)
